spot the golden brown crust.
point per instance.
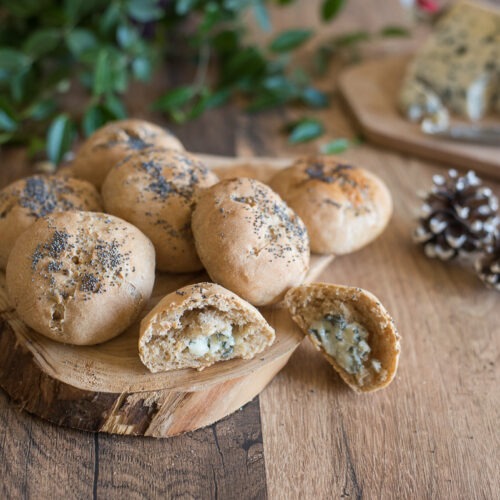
(113, 142)
(165, 325)
(80, 277)
(313, 301)
(26, 200)
(154, 190)
(343, 207)
(249, 240)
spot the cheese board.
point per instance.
(371, 91)
(105, 388)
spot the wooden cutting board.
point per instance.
(105, 388)
(371, 90)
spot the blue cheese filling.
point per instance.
(346, 343)
(209, 335)
(220, 343)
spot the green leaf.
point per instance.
(24, 85)
(95, 117)
(336, 146)
(394, 31)
(74, 10)
(175, 98)
(13, 61)
(36, 145)
(80, 40)
(306, 130)
(127, 36)
(331, 9)
(102, 73)
(266, 100)
(246, 63)
(111, 18)
(226, 41)
(183, 7)
(352, 38)
(59, 138)
(290, 40)
(144, 10)
(115, 107)
(262, 16)
(5, 138)
(142, 69)
(40, 110)
(218, 98)
(7, 122)
(321, 60)
(41, 42)
(314, 97)
(110, 72)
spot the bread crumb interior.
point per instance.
(200, 337)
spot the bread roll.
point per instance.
(115, 141)
(249, 240)
(26, 200)
(344, 207)
(352, 329)
(199, 325)
(154, 190)
(80, 277)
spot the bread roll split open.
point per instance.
(199, 325)
(352, 329)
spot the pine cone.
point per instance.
(459, 216)
(488, 264)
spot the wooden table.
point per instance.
(432, 434)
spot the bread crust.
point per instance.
(249, 240)
(26, 200)
(315, 300)
(80, 277)
(166, 317)
(113, 142)
(154, 190)
(344, 207)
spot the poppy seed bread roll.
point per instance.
(115, 141)
(351, 328)
(155, 190)
(199, 325)
(344, 207)
(26, 200)
(249, 240)
(80, 277)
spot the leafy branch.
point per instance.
(96, 48)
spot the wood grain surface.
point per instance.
(371, 90)
(433, 434)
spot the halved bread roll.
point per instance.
(198, 325)
(351, 328)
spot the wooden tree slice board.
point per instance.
(106, 388)
(371, 90)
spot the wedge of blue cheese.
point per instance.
(459, 64)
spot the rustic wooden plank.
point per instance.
(39, 461)
(224, 460)
(432, 433)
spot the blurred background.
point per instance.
(68, 67)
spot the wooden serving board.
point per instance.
(371, 90)
(106, 388)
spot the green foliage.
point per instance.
(48, 47)
(304, 130)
